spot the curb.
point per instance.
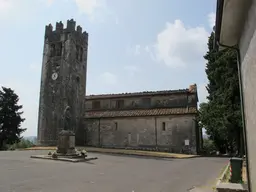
(223, 174)
(141, 155)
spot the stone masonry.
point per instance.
(161, 120)
(63, 81)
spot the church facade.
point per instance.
(160, 120)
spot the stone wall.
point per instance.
(143, 102)
(248, 69)
(165, 133)
(63, 81)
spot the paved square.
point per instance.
(20, 173)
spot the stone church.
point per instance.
(157, 120)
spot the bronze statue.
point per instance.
(67, 118)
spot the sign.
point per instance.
(186, 142)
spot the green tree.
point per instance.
(10, 118)
(221, 116)
(209, 146)
(24, 143)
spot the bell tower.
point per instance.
(63, 81)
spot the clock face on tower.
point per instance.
(54, 76)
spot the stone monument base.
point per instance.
(66, 143)
(66, 150)
(72, 159)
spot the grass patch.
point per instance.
(226, 177)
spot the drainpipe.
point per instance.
(245, 148)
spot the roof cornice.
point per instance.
(218, 22)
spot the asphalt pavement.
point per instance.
(109, 173)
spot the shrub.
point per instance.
(209, 146)
(24, 143)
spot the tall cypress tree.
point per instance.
(10, 117)
(221, 116)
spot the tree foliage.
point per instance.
(209, 146)
(10, 118)
(24, 143)
(221, 115)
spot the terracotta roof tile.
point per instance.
(141, 112)
(191, 89)
(144, 93)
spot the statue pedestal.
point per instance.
(66, 143)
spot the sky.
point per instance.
(134, 45)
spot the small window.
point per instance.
(163, 126)
(116, 126)
(96, 104)
(58, 49)
(77, 52)
(119, 104)
(52, 50)
(77, 79)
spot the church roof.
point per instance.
(134, 94)
(140, 112)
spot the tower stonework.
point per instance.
(63, 81)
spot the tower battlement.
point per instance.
(59, 26)
(71, 25)
(70, 28)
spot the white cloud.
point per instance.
(202, 93)
(17, 9)
(211, 19)
(141, 49)
(94, 9)
(7, 8)
(5, 5)
(89, 6)
(49, 2)
(150, 50)
(137, 49)
(177, 45)
(109, 78)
